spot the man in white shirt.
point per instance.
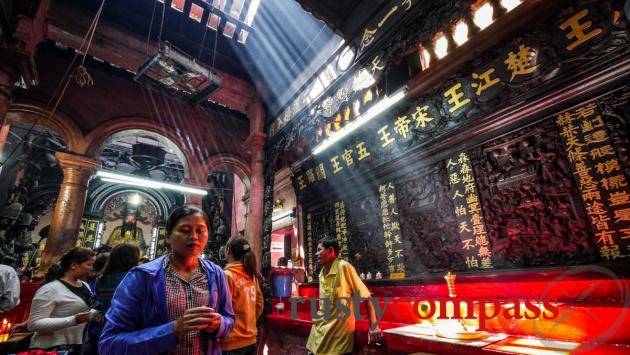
(9, 288)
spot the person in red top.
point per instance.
(247, 299)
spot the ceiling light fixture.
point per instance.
(379, 107)
(147, 183)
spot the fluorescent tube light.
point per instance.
(381, 106)
(151, 184)
(281, 216)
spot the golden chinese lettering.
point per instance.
(385, 136)
(455, 99)
(420, 115)
(485, 83)
(577, 29)
(521, 62)
(336, 164)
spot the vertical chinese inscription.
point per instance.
(341, 229)
(87, 233)
(602, 183)
(471, 224)
(391, 231)
(309, 239)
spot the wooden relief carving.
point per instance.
(428, 223)
(531, 203)
(366, 246)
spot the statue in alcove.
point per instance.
(129, 232)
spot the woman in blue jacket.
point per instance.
(178, 303)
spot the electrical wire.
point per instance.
(65, 78)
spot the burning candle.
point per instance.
(3, 328)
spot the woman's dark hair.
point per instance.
(241, 250)
(183, 211)
(100, 262)
(122, 258)
(330, 243)
(75, 255)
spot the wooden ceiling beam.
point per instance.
(127, 50)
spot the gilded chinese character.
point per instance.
(471, 262)
(460, 210)
(455, 99)
(593, 194)
(602, 151)
(483, 252)
(450, 163)
(301, 182)
(375, 65)
(336, 164)
(614, 182)
(347, 156)
(568, 131)
(457, 194)
(362, 151)
(486, 263)
(401, 126)
(465, 169)
(608, 166)
(454, 179)
(479, 229)
(395, 226)
(385, 136)
(596, 137)
(619, 198)
(368, 37)
(586, 110)
(600, 221)
(474, 207)
(520, 63)
(472, 198)
(485, 81)
(391, 199)
(320, 171)
(310, 176)
(610, 252)
(605, 237)
(463, 227)
(577, 29)
(576, 155)
(463, 158)
(467, 244)
(476, 218)
(420, 115)
(470, 188)
(565, 118)
(481, 239)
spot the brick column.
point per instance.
(66, 219)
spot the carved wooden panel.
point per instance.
(530, 200)
(428, 223)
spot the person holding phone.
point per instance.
(176, 304)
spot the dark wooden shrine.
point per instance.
(506, 160)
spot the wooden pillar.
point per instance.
(254, 145)
(66, 219)
(6, 90)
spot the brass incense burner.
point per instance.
(452, 328)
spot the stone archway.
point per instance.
(229, 163)
(99, 137)
(61, 124)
